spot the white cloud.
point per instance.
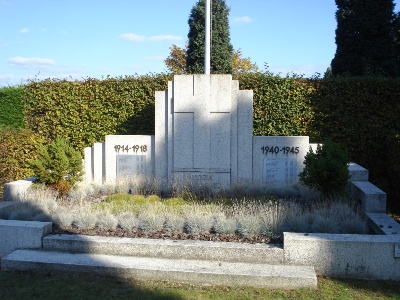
(24, 30)
(131, 37)
(30, 62)
(242, 20)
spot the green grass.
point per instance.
(27, 285)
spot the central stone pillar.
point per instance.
(200, 123)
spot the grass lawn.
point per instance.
(26, 285)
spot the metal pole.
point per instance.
(207, 55)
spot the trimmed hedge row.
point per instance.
(83, 112)
(362, 114)
(282, 106)
(12, 106)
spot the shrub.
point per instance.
(58, 165)
(127, 220)
(196, 224)
(105, 220)
(150, 222)
(326, 170)
(173, 222)
(84, 220)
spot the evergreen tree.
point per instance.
(221, 48)
(396, 38)
(364, 38)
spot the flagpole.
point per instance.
(207, 55)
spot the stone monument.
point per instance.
(203, 136)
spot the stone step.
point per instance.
(159, 248)
(197, 272)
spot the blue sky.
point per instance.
(94, 38)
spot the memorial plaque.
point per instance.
(131, 165)
(397, 250)
(278, 170)
(278, 160)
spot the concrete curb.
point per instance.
(182, 249)
(187, 271)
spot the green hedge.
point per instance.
(12, 106)
(83, 112)
(362, 115)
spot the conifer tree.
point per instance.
(221, 48)
(364, 38)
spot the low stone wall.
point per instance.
(22, 235)
(345, 255)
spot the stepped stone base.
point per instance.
(180, 270)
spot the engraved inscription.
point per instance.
(279, 171)
(131, 165)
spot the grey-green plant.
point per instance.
(173, 222)
(128, 220)
(223, 225)
(106, 220)
(63, 217)
(197, 223)
(85, 220)
(248, 225)
(322, 224)
(150, 222)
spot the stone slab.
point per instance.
(382, 223)
(88, 164)
(128, 145)
(98, 160)
(185, 249)
(178, 270)
(345, 255)
(357, 172)
(278, 160)
(373, 200)
(22, 234)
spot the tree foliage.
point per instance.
(221, 48)
(364, 38)
(242, 65)
(176, 61)
(326, 170)
(396, 38)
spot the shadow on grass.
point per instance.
(361, 289)
(34, 285)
